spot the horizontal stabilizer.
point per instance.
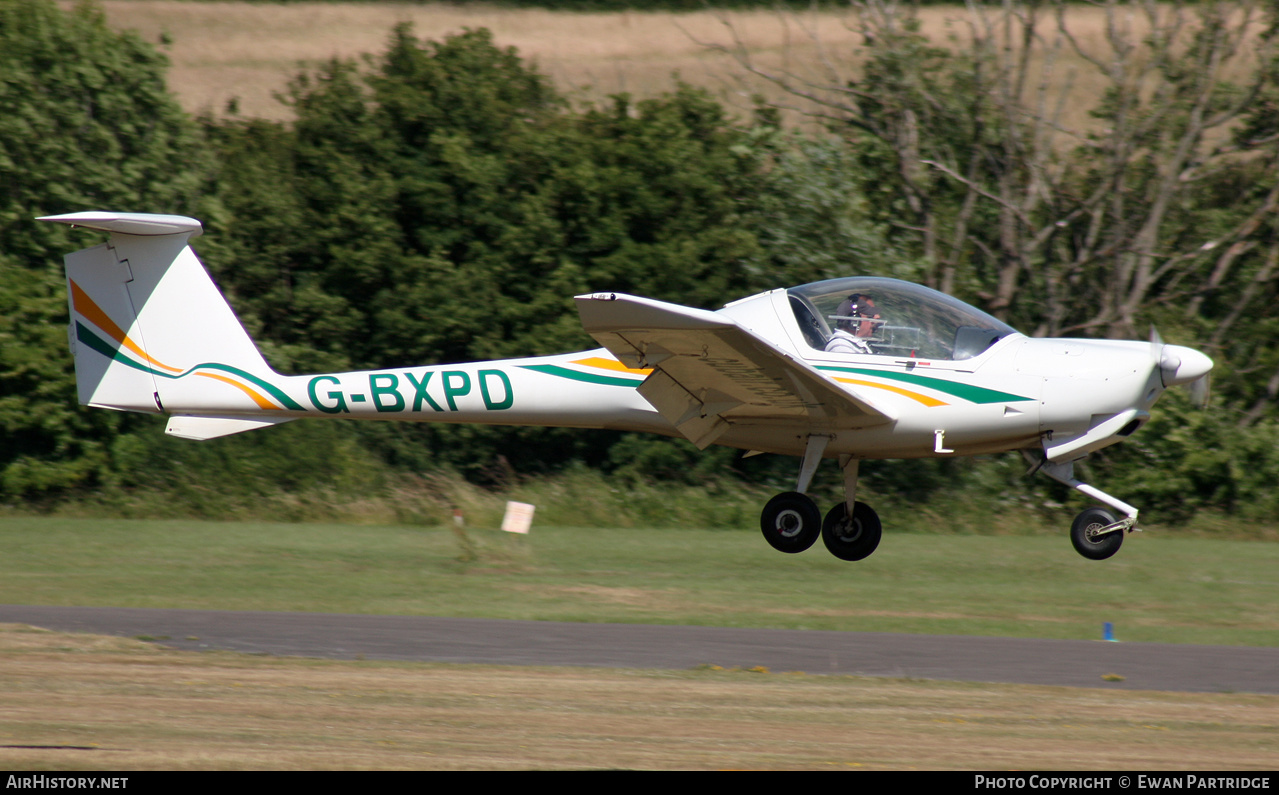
(143, 224)
(200, 428)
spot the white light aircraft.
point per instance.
(915, 374)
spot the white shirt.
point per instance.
(843, 342)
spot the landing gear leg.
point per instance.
(852, 529)
(1096, 533)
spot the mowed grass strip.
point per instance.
(88, 702)
(1157, 589)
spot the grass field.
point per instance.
(1172, 590)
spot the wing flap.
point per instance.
(709, 372)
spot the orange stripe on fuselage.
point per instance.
(261, 400)
(925, 399)
(609, 364)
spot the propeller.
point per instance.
(1201, 391)
(1182, 366)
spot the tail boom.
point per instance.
(152, 333)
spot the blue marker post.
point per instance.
(1108, 632)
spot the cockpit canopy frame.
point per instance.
(915, 321)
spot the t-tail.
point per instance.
(149, 327)
(151, 332)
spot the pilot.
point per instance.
(851, 333)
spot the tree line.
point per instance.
(441, 201)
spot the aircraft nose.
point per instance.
(1180, 365)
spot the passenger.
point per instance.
(851, 331)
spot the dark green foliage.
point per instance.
(1186, 460)
(46, 441)
(185, 479)
(815, 219)
(86, 122)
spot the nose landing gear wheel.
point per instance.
(851, 538)
(791, 522)
(1083, 534)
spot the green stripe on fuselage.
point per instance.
(973, 394)
(288, 402)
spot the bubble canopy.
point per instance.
(914, 321)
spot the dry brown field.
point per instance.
(222, 51)
(249, 51)
(70, 701)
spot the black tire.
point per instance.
(1095, 547)
(851, 539)
(791, 522)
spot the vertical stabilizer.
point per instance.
(145, 315)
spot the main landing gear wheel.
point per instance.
(855, 538)
(791, 522)
(1084, 534)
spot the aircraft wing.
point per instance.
(709, 372)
